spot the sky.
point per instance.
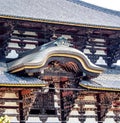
(110, 4)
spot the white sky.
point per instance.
(110, 4)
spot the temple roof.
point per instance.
(68, 12)
(109, 80)
(9, 80)
(38, 57)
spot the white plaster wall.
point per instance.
(109, 120)
(10, 95)
(73, 120)
(33, 120)
(90, 120)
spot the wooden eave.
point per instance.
(58, 22)
(99, 88)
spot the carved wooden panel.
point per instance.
(28, 96)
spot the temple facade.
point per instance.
(58, 62)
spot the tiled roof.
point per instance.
(92, 6)
(13, 80)
(7, 79)
(73, 12)
(109, 80)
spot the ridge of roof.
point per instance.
(95, 7)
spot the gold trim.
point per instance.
(97, 88)
(23, 85)
(81, 60)
(59, 22)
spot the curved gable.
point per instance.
(39, 58)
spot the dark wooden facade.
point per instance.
(22, 35)
(83, 38)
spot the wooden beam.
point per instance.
(10, 100)
(9, 107)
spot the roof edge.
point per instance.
(99, 88)
(58, 22)
(86, 64)
(22, 85)
(96, 7)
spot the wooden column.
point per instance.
(21, 110)
(99, 108)
(62, 117)
(116, 107)
(103, 104)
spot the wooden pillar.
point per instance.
(63, 118)
(103, 104)
(21, 111)
(99, 108)
(116, 106)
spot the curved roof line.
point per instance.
(39, 58)
(58, 22)
(22, 85)
(99, 88)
